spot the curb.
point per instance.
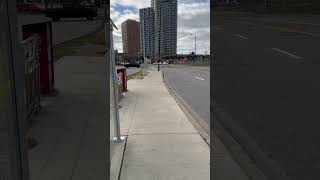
(192, 116)
(244, 149)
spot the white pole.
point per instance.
(118, 138)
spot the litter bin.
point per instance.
(122, 69)
(30, 25)
(119, 84)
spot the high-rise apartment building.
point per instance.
(130, 36)
(147, 31)
(166, 14)
(152, 3)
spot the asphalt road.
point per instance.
(193, 86)
(267, 79)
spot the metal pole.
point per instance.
(195, 44)
(160, 35)
(118, 138)
(144, 53)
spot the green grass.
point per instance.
(70, 47)
(137, 75)
(207, 63)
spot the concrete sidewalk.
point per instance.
(161, 143)
(71, 128)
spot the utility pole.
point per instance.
(144, 51)
(160, 35)
(195, 43)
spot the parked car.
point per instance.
(127, 65)
(88, 11)
(171, 62)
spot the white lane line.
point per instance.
(302, 23)
(241, 36)
(199, 78)
(287, 53)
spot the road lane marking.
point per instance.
(241, 36)
(302, 23)
(199, 78)
(291, 30)
(287, 53)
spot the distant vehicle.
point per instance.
(87, 10)
(28, 7)
(171, 62)
(127, 65)
(219, 3)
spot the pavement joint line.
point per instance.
(141, 134)
(286, 53)
(122, 159)
(241, 36)
(79, 145)
(199, 78)
(131, 119)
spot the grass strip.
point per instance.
(70, 47)
(136, 75)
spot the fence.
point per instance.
(32, 73)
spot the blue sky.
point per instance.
(193, 18)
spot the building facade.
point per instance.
(130, 36)
(152, 4)
(166, 14)
(147, 35)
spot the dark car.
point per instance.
(171, 62)
(88, 11)
(127, 65)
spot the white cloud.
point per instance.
(118, 19)
(193, 18)
(133, 3)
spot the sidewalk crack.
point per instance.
(122, 160)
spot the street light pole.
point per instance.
(144, 51)
(160, 35)
(195, 43)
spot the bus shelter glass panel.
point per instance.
(5, 93)
(112, 109)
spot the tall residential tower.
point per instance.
(147, 31)
(166, 14)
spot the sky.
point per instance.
(193, 18)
